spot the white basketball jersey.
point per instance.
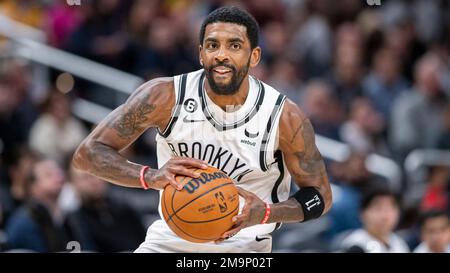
(242, 143)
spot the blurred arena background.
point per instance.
(374, 80)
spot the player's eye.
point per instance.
(236, 46)
(211, 45)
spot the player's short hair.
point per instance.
(233, 15)
(373, 193)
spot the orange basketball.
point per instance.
(203, 209)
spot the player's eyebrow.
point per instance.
(233, 40)
(211, 40)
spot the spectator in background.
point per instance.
(61, 21)
(138, 23)
(384, 83)
(322, 108)
(351, 180)
(266, 11)
(3, 237)
(436, 195)
(429, 19)
(29, 12)
(19, 75)
(435, 233)
(5, 208)
(140, 17)
(417, 117)
(10, 136)
(17, 112)
(312, 41)
(19, 163)
(363, 130)
(100, 222)
(380, 213)
(275, 41)
(56, 134)
(37, 224)
(2, 194)
(348, 68)
(443, 141)
(163, 54)
(401, 37)
(285, 78)
(101, 37)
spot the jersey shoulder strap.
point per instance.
(268, 143)
(180, 93)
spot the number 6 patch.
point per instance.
(190, 105)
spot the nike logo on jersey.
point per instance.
(250, 135)
(261, 239)
(186, 120)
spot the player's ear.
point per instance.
(255, 57)
(200, 54)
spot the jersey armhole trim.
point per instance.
(274, 194)
(266, 138)
(176, 112)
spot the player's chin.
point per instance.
(224, 90)
(223, 80)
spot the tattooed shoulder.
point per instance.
(133, 117)
(298, 141)
(309, 158)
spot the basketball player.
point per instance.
(221, 116)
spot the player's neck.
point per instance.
(227, 102)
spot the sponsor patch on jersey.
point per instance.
(248, 142)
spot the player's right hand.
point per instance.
(185, 166)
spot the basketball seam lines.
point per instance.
(198, 238)
(165, 207)
(203, 194)
(206, 221)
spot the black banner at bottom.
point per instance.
(206, 262)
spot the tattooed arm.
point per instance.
(149, 106)
(303, 160)
(305, 164)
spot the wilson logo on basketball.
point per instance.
(221, 201)
(204, 209)
(195, 183)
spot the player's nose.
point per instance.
(221, 55)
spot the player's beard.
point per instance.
(236, 79)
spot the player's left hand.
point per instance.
(252, 214)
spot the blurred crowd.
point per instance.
(374, 77)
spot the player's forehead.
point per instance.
(223, 31)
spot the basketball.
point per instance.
(202, 211)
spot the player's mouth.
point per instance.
(221, 70)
